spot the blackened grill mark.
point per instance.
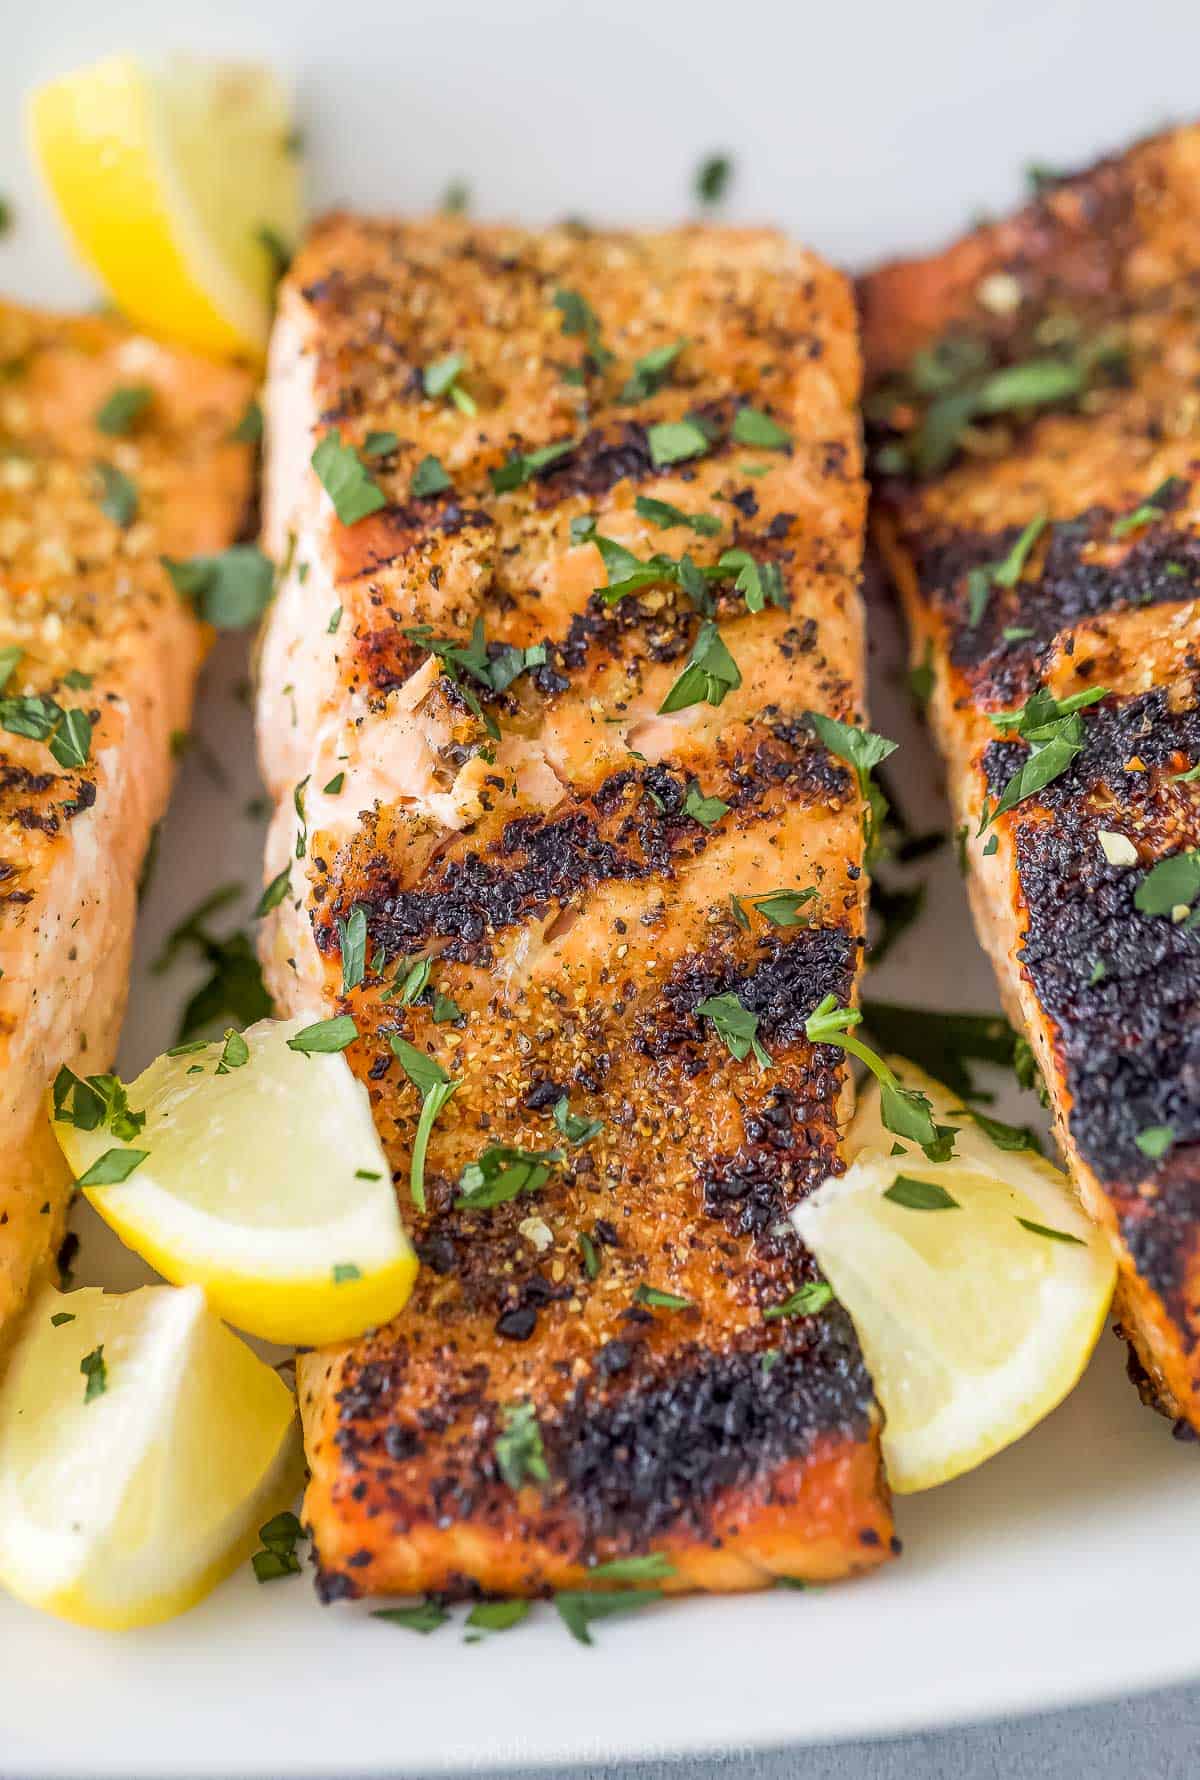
(535, 865)
(606, 456)
(783, 987)
(656, 1448)
(1142, 728)
(1159, 567)
(790, 1147)
(1129, 1044)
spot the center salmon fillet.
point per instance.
(529, 871)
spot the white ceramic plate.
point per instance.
(1060, 1571)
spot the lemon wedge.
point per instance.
(141, 1445)
(262, 1180)
(179, 185)
(977, 1286)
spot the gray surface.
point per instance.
(1155, 1737)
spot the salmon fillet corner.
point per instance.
(546, 895)
(89, 621)
(1034, 396)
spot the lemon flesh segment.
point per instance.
(124, 1507)
(973, 1326)
(265, 1184)
(166, 176)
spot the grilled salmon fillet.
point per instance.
(98, 656)
(1034, 402)
(527, 870)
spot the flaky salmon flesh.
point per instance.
(98, 656)
(1034, 402)
(526, 829)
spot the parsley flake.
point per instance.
(650, 372)
(736, 1026)
(575, 1129)
(324, 1037)
(118, 495)
(426, 1617)
(711, 673)
(230, 590)
(664, 515)
(501, 1173)
(674, 441)
(341, 474)
(752, 427)
(905, 1112)
(657, 1299)
(1155, 1141)
(713, 176)
(807, 1300)
(435, 1088)
(520, 1456)
(429, 478)
(920, 1195)
(96, 1372)
(119, 413)
(1048, 1230)
(579, 1609)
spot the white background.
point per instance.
(1066, 1567)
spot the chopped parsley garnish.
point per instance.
(235, 1053)
(249, 429)
(707, 811)
(1005, 1137)
(1155, 1141)
(660, 1300)
(441, 378)
(113, 1167)
(575, 1129)
(278, 1555)
(1170, 886)
(495, 667)
(752, 427)
(333, 786)
(578, 1609)
(653, 1566)
(343, 1272)
(921, 678)
(275, 892)
(345, 480)
(456, 198)
(67, 733)
(495, 1616)
(8, 661)
(651, 371)
(578, 317)
(1005, 573)
(380, 444)
(710, 674)
(501, 1173)
(352, 944)
(95, 1103)
(335, 618)
(905, 1112)
(276, 249)
(324, 1036)
(234, 989)
(96, 1372)
(590, 1254)
(444, 1010)
(426, 1617)
(942, 1043)
(522, 466)
(1155, 507)
(674, 441)
(520, 1457)
(863, 750)
(435, 1088)
(920, 1195)
(406, 989)
(230, 590)
(712, 178)
(736, 1026)
(118, 495)
(1047, 1230)
(807, 1300)
(1053, 729)
(120, 412)
(759, 583)
(429, 478)
(298, 792)
(60, 1317)
(664, 515)
(780, 907)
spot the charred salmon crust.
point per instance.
(1035, 435)
(90, 629)
(506, 853)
